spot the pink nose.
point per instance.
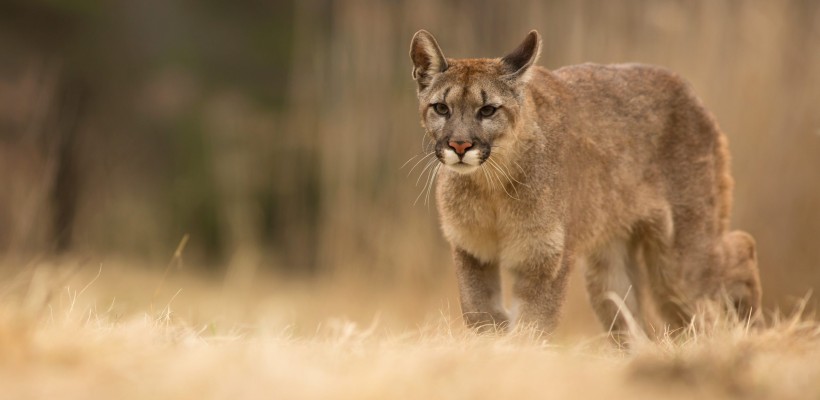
(460, 146)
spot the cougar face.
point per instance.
(468, 107)
(465, 118)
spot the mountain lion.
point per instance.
(618, 167)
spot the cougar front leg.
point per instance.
(540, 287)
(479, 286)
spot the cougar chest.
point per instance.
(470, 221)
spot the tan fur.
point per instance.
(616, 166)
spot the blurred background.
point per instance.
(273, 132)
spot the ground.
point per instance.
(72, 330)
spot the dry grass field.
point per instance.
(75, 331)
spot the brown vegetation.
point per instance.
(102, 335)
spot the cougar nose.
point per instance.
(460, 146)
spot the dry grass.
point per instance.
(67, 333)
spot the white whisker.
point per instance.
(418, 162)
(489, 174)
(410, 159)
(430, 144)
(510, 175)
(503, 186)
(423, 188)
(430, 188)
(504, 174)
(519, 167)
(486, 177)
(426, 167)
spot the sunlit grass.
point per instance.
(63, 335)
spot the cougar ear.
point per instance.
(427, 57)
(519, 61)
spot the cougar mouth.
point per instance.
(464, 163)
(462, 167)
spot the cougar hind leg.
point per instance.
(613, 269)
(740, 275)
(670, 269)
(687, 274)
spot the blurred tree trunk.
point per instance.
(35, 37)
(70, 104)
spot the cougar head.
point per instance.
(469, 107)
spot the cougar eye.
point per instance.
(441, 108)
(487, 111)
